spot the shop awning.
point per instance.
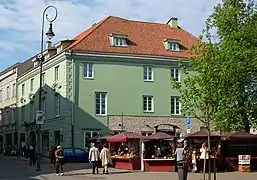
(159, 136)
(124, 137)
(240, 135)
(201, 134)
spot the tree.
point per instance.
(222, 88)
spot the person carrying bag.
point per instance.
(59, 161)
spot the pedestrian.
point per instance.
(59, 161)
(105, 157)
(31, 155)
(180, 154)
(52, 155)
(94, 157)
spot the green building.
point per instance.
(115, 76)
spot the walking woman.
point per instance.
(59, 161)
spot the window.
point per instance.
(56, 73)
(1, 96)
(175, 105)
(174, 73)
(148, 103)
(148, 73)
(43, 79)
(119, 41)
(32, 111)
(13, 90)
(32, 84)
(100, 103)
(88, 71)
(57, 104)
(59, 49)
(147, 133)
(22, 89)
(173, 46)
(87, 136)
(8, 92)
(23, 113)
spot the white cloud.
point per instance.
(21, 19)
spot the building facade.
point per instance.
(115, 76)
(8, 103)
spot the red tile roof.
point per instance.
(145, 38)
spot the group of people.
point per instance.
(95, 157)
(56, 157)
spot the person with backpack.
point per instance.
(180, 155)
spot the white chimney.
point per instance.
(173, 22)
(48, 44)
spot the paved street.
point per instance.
(19, 170)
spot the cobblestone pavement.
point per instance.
(11, 169)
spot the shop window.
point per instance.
(87, 136)
(146, 133)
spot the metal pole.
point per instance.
(40, 60)
(122, 122)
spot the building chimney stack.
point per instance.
(48, 44)
(173, 22)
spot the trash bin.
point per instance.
(182, 170)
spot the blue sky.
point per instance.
(21, 20)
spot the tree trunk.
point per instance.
(209, 148)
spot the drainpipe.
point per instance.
(73, 100)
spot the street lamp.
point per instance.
(40, 58)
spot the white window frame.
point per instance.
(88, 70)
(148, 74)
(173, 46)
(13, 89)
(175, 100)
(43, 78)
(8, 92)
(56, 73)
(91, 136)
(120, 41)
(148, 97)
(100, 104)
(32, 82)
(57, 105)
(173, 74)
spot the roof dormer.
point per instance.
(171, 45)
(119, 40)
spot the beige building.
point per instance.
(8, 102)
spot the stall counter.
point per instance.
(126, 163)
(161, 165)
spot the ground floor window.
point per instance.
(87, 136)
(45, 140)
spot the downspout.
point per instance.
(72, 98)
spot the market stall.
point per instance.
(195, 143)
(237, 144)
(158, 153)
(124, 149)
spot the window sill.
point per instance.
(176, 114)
(148, 111)
(148, 80)
(101, 115)
(89, 78)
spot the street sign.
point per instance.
(40, 117)
(188, 124)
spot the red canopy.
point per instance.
(123, 137)
(159, 136)
(240, 135)
(201, 134)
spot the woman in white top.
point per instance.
(204, 155)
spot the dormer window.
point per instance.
(171, 45)
(118, 40)
(59, 49)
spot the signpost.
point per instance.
(188, 124)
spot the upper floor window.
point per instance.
(148, 103)
(32, 84)
(118, 40)
(22, 89)
(13, 90)
(175, 105)
(148, 73)
(8, 92)
(57, 105)
(1, 95)
(43, 78)
(173, 46)
(174, 73)
(88, 71)
(101, 103)
(56, 73)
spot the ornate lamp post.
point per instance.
(40, 58)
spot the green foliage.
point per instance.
(224, 88)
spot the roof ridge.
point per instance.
(93, 29)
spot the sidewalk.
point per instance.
(43, 159)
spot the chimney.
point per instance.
(48, 44)
(173, 22)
